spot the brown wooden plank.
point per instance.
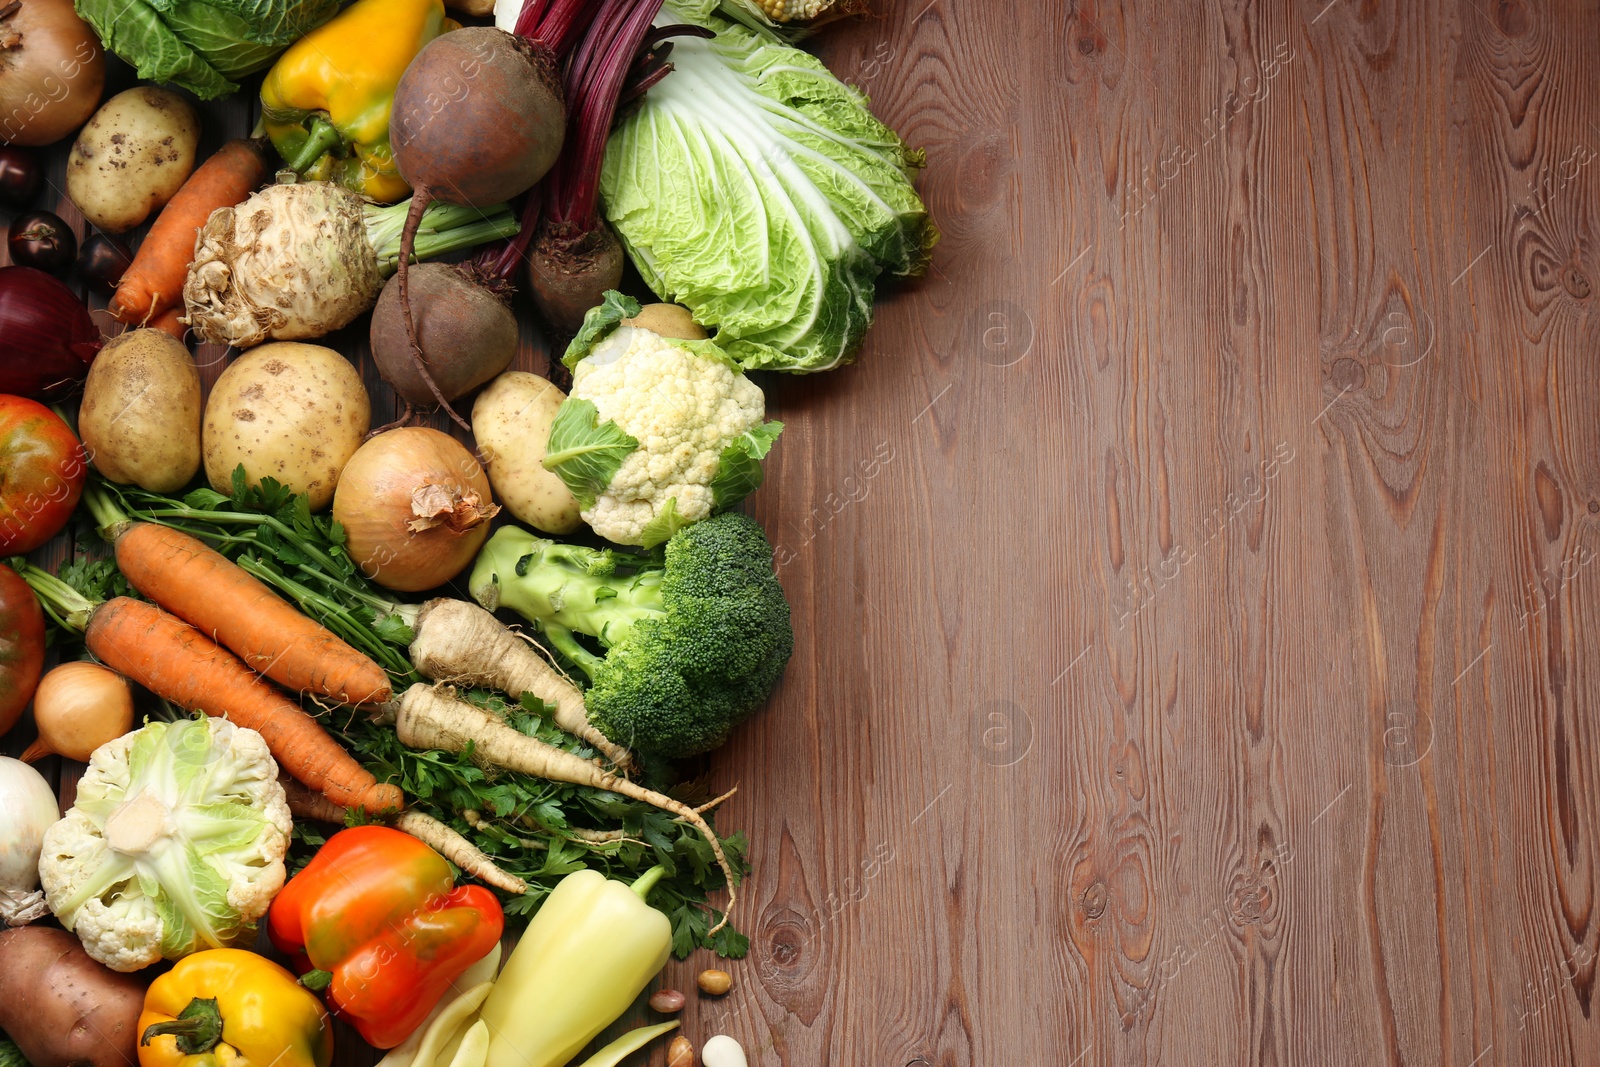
(1194, 579)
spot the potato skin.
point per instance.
(61, 1007)
(511, 420)
(140, 418)
(132, 156)
(668, 320)
(289, 411)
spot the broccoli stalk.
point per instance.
(678, 648)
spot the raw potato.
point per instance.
(668, 320)
(132, 156)
(61, 1007)
(511, 420)
(140, 418)
(288, 411)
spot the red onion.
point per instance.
(47, 339)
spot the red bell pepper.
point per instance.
(377, 917)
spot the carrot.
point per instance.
(205, 588)
(171, 321)
(154, 280)
(305, 804)
(460, 643)
(179, 663)
(428, 718)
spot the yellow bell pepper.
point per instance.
(590, 949)
(325, 104)
(226, 1007)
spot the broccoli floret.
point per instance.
(690, 641)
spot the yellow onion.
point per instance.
(78, 707)
(415, 507)
(51, 71)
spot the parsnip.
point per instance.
(429, 718)
(459, 643)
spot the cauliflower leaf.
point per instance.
(584, 451)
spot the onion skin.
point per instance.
(415, 507)
(27, 809)
(52, 72)
(47, 339)
(78, 707)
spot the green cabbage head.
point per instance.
(175, 843)
(756, 189)
(204, 46)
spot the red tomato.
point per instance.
(42, 467)
(21, 646)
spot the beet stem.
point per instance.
(503, 265)
(595, 80)
(529, 17)
(555, 25)
(677, 29)
(403, 420)
(646, 83)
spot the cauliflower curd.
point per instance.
(683, 409)
(658, 432)
(175, 843)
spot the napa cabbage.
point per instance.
(756, 189)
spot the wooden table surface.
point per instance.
(1195, 612)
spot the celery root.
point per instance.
(429, 718)
(459, 643)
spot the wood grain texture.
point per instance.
(1197, 618)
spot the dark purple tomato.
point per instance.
(40, 239)
(20, 176)
(102, 262)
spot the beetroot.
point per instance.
(575, 256)
(488, 141)
(477, 118)
(468, 333)
(492, 140)
(570, 272)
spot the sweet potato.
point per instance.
(61, 1007)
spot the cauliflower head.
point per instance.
(658, 432)
(175, 843)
